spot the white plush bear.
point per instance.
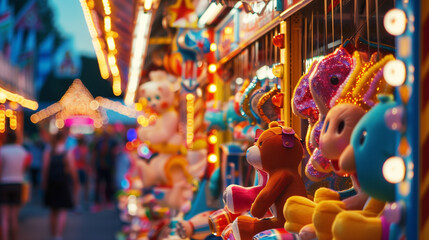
(168, 167)
(160, 96)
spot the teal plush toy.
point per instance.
(371, 144)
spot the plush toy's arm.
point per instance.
(276, 185)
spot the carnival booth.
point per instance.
(274, 119)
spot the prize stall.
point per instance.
(279, 120)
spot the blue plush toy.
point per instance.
(372, 143)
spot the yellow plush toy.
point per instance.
(314, 218)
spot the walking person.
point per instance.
(60, 183)
(14, 160)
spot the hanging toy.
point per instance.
(245, 100)
(269, 105)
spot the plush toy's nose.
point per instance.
(347, 160)
(253, 156)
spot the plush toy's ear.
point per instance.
(258, 133)
(288, 137)
(273, 124)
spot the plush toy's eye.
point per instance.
(157, 97)
(334, 80)
(260, 143)
(327, 126)
(341, 127)
(148, 99)
(362, 137)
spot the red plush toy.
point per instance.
(278, 152)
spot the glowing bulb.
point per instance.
(394, 73)
(189, 96)
(2, 97)
(228, 30)
(212, 139)
(212, 88)
(34, 119)
(394, 170)
(147, 5)
(212, 68)
(213, 47)
(212, 158)
(395, 22)
(59, 123)
(239, 81)
(107, 23)
(138, 106)
(94, 105)
(9, 113)
(132, 205)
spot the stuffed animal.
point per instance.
(333, 219)
(168, 167)
(237, 200)
(372, 143)
(334, 138)
(324, 82)
(163, 135)
(278, 152)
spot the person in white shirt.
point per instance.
(14, 160)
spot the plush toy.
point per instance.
(168, 167)
(372, 143)
(340, 77)
(163, 135)
(334, 138)
(245, 104)
(278, 152)
(333, 218)
(325, 80)
(237, 200)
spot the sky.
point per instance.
(71, 22)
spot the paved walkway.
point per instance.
(34, 224)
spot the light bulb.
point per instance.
(395, 22)
(394, 170)
(394, 73)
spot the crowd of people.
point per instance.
(69, 174)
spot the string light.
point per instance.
(101, 58)
(212, 88)
(212, 68)
(16, 99)
(213, 47)
(212, 139)
(107, 9)
(190, 119)
(107, 24)
(212, 158)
